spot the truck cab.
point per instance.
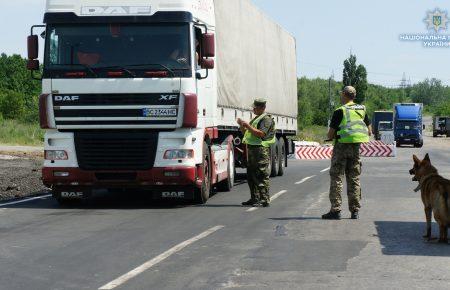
(441, 126)
(408, 126)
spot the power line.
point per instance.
(407, 82)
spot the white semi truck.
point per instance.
(144, 94)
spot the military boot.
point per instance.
(355, 215)
(250, 202)
(332, 215)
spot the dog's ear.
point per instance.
(416, 159)
(427, 158)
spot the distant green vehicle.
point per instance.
(441, 126)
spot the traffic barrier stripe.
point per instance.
(371, 149)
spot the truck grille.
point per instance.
(116, 111)
(116, 150)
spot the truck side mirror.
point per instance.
(423, 127)
(33, 64)
(33, 52)
(33, 47)
(208, 45)
(208, 63)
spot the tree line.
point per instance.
(19, 93)
(318, 98)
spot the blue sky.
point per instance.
(326, 32)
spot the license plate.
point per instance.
(159, 112)
(407, 139)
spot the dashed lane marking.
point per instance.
(305, 179)
(272, 198)
(316, 204)
(325, 170)
(147, 265)
(25, 200)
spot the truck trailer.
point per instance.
(408, 125)
(144, 94)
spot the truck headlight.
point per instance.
(56, 155)
(179, 154)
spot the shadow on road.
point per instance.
(405, 239)
(300, 218)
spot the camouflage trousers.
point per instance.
(258, 159)
(345, 161)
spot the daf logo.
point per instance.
(71, 194)
(168, 97)
(115, 10)
(173, 194)
(67, 98)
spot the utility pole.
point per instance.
(403, 85)
(330, 97)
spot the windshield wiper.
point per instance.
(130, 73)
(78, 64)
(153, 64)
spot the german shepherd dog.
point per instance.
(435, 195)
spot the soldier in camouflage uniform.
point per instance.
(259, 135)
(350, 126)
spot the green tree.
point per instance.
(18, 89)
(429, 92)
(12, 105)
(356, 76)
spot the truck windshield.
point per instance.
(407, 125)
(134, 49)
(385, 127)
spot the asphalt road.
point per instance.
(127, 242)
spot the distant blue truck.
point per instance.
(408, 124)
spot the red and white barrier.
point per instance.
(313, 152)
(371, 149)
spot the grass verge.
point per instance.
(14, 132)
(313, 133)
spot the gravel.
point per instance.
(20, 175)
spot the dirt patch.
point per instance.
(20, 177)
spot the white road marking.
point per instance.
(325, 170)
(272, 198)
(25, 200)
(8, 157)
(316, 204)
(147, 265)
(305, 179)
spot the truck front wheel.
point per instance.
(227, 184)
(202, 194)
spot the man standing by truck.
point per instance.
(350, 126)
(259, 135)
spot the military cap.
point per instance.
(259, 102)
(349, 91)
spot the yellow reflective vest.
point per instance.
(352, 128)
(251, 139)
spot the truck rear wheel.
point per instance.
(281, 156)
(227, 184)
(274, 155)
(202, 194)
